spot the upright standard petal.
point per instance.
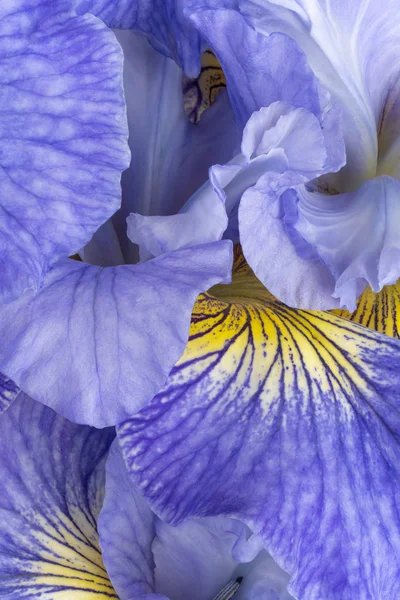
(259, 69)
(52, 475)
(104, 339)
(63, 136)
(164, 22)
(288, 420)
(170, 155)
(351, 47)
(147, 558)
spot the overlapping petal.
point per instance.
(355, 234)
(52, 475)
(104, 339)
(165, 22)
(147, 558)
(351, 47)
(170, 155)
(127, 529)
(259, 69)
(63, 136)
(379, 311)
(288, 420)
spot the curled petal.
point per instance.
(259, 69)
(105, 339)
(63, 136)
(355, 234)
(52, 473)
(351, 48)
(288, 420)
(126, 528)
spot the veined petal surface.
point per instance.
(148, 558)
(52, 475)
(63, 136)
(104, 339)
(170, 155)
(351, 47)
(288, 420)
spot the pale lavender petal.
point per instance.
(63, 136)
(355, 234)
(164, 22)
(259, 69)
(104, 339)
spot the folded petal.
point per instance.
(259, 69)
(163, 21)
(355, 234)
(8, 392)
(289, 421)
(292, 147)
(52, 475)
(146, 557)
(126, 528)
(105, 339)
(379, 311)
(63, 136)
(351, 47)
(297, 278)
(170, 155)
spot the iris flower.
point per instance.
(271, 447)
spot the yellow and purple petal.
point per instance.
(290, 421)
(52, 475)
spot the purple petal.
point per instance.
(164, 22)
(126, 529)
(289, 421)
(355, 234)
(259, 69)
(63, 136)
(282, 147)
(104, 339)
(52, 475)
(144, 555)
